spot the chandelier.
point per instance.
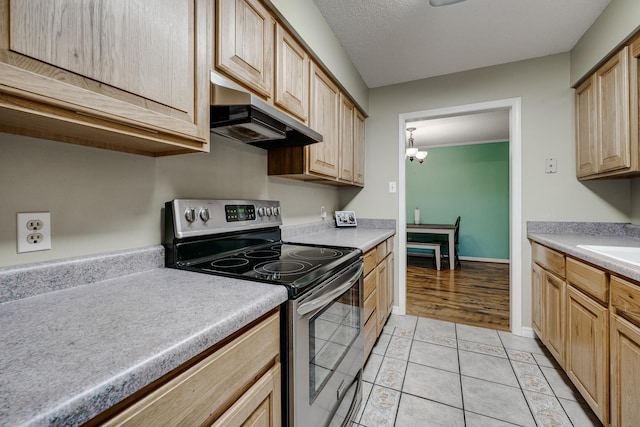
(413, 152)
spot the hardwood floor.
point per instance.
(476, 294)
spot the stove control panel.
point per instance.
(199, 217)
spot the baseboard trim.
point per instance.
(527, 332)
(463, 258)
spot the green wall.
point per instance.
(470, 181)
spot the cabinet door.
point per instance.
(612, 83)
(346, 138)
(625, 373)
(554, 315)
(586, 144)
(382, 304)
(325, 102)
(358, 148)
(537, 275)
(586, 358)
(292, 75)
(259, 406)
(390, 282)
(132, 66)
(245, 31)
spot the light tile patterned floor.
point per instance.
(425, 372)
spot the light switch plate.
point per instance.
(551, 165)
(392, 186)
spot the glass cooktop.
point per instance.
(295, 265)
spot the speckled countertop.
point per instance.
(566, 236)
(69, 353)
(365, 236)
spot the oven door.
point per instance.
(328, 350)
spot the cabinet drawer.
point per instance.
(370, 305)
(381, 252)
(190, 399)
(370, 261)
(370, 284)
(625, 299)
(548, 258)
(588, 279)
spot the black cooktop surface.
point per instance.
(295, 265)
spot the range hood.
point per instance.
(240, 115)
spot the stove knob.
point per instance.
(269, 211)
(276, 211)
(261, 211)
(190, 215)
(204, 214)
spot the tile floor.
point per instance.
(425, 372)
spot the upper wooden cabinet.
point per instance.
(607, 143)
(346, 139)
(257, 50)
(292, 75)
(117, 75)
(324, 119)
(358, 149)
(245, 44)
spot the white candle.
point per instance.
(416, 216)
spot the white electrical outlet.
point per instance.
(34, 232)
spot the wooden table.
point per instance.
(443, 229)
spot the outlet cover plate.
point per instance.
(25, 227)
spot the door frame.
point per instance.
(515, 200)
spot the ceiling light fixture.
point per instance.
(437, 3)
(412, 152)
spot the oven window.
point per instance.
(332, 332)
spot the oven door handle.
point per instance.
(325, 299)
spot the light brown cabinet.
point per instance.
(625, 352)
(607, 107)
(551, 298)
(245, 44)
(536, 298)
(292, 75)
(107, 74)
(347, 129)
(324, 119)
(236, 385)
(378, 291)
(553, 315)
(358, 148)
(602, 335)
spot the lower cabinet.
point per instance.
(570, 314)
(553, 315)
(586, 358)
(236, 385)
(378, 291)
(625, 353)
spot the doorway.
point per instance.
(513, 106)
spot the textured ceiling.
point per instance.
(394, 41)
(478, 128)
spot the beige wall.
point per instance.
(102, 201)
(619, 20)
(547, 131)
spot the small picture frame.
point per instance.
(346, 219)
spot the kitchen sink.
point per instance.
(622, 253)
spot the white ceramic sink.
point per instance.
(621, 253)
